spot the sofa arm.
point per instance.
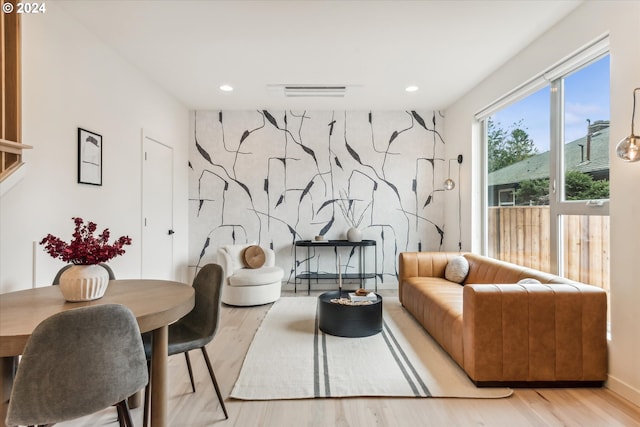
(269, 257)
(535, 333)
(224, 259)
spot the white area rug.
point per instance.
(290, 358)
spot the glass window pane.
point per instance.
(518, 182)
(586, 132)
(586, 249)
(585, 240)
(520, 234)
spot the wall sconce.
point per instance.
(629, 148)
(450, 184)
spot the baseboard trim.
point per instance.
(624, 390)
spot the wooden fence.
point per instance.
(520, 234)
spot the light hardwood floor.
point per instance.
(526, 407)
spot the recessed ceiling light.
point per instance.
(226, 88)
(411, 88)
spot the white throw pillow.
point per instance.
(528, 281)
(457, 269)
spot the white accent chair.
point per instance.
(249, 286)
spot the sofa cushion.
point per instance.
(483, 269)
(457, 269)
(437, 305)
(256, 277)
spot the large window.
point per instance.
(518, 163)
(547, 144)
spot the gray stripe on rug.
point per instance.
(393, 346)
(387, 334)
(318, 335)
(400, 365)
(316, 356)
(327, 385)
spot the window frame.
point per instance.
(558, 205)
(554, 77)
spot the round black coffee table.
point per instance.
(349, 320)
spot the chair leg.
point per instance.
(147, 398)
(193, 384)
(124, 416)
(215, 383)
(121, 418)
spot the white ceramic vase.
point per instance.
(84, 282)
(354, 235)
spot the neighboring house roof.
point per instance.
(537, 166)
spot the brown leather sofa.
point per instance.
(503, 333)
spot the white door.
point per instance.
(157, 210)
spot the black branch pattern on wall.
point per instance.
(278, 177)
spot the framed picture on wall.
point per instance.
(89, 157)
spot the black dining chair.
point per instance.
(78, 362)
(56, 280)
(196, 329)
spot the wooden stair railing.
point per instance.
(10, 97)
(10, 157)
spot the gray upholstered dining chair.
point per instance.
(78, 362)
(196, 329)
(56, 280)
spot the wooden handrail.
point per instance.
(10, 157)
(13, 147)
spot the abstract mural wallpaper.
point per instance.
(274, 177)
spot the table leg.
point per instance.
(7, 371)
(159, 360)
(363, 268)
(375, 269)
(309, 270)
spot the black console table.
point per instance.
(361, 275)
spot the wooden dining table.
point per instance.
(155, 304)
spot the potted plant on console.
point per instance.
(86, 280)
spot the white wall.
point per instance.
(70, 80)
(621, 19)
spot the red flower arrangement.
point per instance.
(85, 249)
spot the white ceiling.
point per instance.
(376, 48)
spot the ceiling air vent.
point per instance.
(298, 91)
